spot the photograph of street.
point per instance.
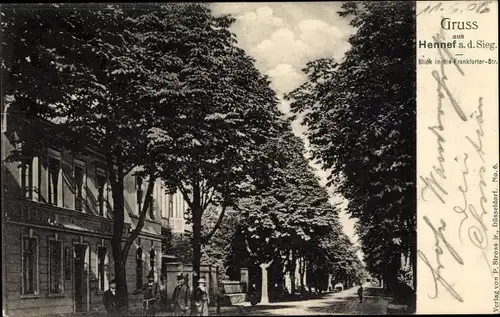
(197, 159)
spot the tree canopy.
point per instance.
(162, 88)
(213, 125)
(360, 113)
(292, 222)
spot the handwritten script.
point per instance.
(478, 7)
(477, 231)
(435, 185)
(436, 271)
(431, 183)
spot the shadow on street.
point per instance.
(375, 302)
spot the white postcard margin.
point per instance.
(457, 157)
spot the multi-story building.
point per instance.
(57, 226)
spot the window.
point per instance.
(164, 203)
(55, 267)
(178, 206)
(175, 206)
(27, 178)
(151, 208)
(152, 262)
(170, 205)
(161, 200)
(101, 267)
(139, 192)
(79, 181)
(30, 265)
(101, 183)
(67, 265)
(53, 180)
(139, 269)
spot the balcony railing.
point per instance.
(46, 215)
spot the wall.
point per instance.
(44, 303)
(45, 221)
(207, 272)
(169, 208)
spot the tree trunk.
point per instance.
(385, 278)
(413, 263)
(121, 286)
(293, 267)
(306, 275)
(301, 272)
(264, 297)
(116, 243)
(196, 233)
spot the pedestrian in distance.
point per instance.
(182, 297)
(110, 300)
(200, 297)
(254, 298)
(151, 291)
(360, 293)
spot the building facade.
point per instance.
(57, 224)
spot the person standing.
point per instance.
(200, 298)
(182, 297)
(151, 291)
(254, 298)
(360, 293)
(110, 300)
(163, 305)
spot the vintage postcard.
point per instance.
(457, 157)
(262, 159)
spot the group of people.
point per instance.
(183, 302)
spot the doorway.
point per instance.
(80, 278)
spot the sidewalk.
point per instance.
(399, 309)
(224, 310)
(404, 301)
(376, 301)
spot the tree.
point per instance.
(228, 113)
(278, 226)
(360, 114)
(96, 72)
(343, 262)
(217, 249)
(178, 245)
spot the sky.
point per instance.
(282, 38)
